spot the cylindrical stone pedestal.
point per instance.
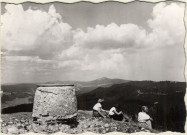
(53, 103)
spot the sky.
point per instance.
(85, 41)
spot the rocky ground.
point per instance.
(19, 123)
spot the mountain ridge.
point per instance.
(104, 81)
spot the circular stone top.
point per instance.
(54, 85)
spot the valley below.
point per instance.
(164, 99)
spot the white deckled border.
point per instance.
(123, 1)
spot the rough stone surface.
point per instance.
(52, 105)
(13, 130)
(55, 101)
(86, 123)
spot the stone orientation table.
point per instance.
(53, 103)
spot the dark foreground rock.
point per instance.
(20, 123)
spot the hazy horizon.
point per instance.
(85, 41)
(81, 81)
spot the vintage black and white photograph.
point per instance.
(93, 67)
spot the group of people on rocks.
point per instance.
(144, 120)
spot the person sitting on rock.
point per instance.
(98, 110)
(115, 113)
(144, 120)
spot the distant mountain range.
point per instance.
(100, 82)
(87, 86)
(144, 91)
(14, 94)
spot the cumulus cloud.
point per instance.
(39, 42)
(111, 36)
(34, 32)
(167, 28)
(100, 46)
(39, 33)
(167, 25)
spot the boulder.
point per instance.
(13, 130)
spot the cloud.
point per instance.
(167, 28)
(167, 25)
(44, 34)
(34, 32)
(111, 36)
(39, 42)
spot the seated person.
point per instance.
(98, 110)
(115, 113)
(144, 119)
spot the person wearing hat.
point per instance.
(144, 120)
(115, 113)
(97, 109)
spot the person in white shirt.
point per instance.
(98, 110)
(115, 114)
(144, 119)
